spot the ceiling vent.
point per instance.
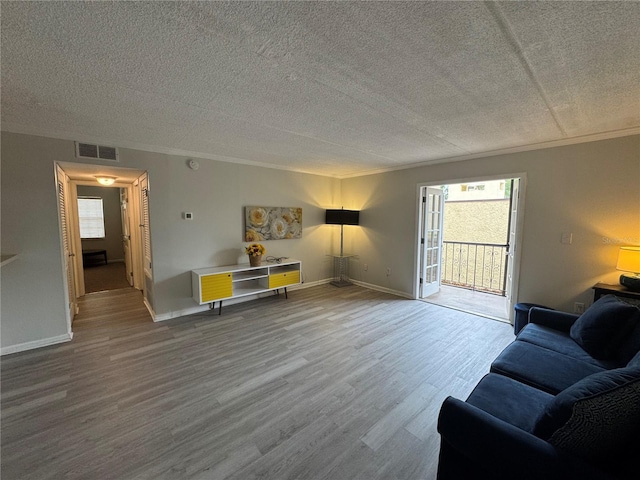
(88, 150)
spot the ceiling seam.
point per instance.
(509, 34)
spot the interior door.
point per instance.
(513, 246)
(126, 233)
(145, 237)
(431, 240)
(67, 250)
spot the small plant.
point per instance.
(255, 249)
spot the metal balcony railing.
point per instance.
(475, 266)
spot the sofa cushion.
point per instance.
(597, 418)
(541, 368)
(511, 401)
(604, 326)
(607, 385)
(561, 342)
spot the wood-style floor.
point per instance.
(329, 384)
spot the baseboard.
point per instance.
(45, 342)
(205, 308)
(378, 288)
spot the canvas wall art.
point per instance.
(272, 223)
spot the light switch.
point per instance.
(187, 215)
(567, 238)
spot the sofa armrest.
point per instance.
(552, 318)
(503, 449)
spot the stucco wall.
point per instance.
(481, 221)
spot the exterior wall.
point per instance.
(481, 221)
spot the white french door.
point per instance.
(432, 217)
(512, 246)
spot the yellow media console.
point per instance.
(215, 284)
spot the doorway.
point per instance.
(103, 220)
(115, 257)
(468, 244)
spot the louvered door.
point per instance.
(69, 255)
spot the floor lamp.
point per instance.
(341, 217)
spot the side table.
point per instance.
(600, 289)
(341, 270)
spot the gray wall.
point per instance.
(216, 194)
(590, 189)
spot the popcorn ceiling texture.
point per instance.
(330, 88)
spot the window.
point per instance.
(91, 216)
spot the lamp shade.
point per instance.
(629, 259)
(342, 217)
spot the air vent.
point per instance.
(88, 150)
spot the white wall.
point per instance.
(590, 189)
(216, 194)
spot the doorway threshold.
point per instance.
(469, 301)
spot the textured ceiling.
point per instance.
(336, 89)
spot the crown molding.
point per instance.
(22, 129)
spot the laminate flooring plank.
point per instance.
(398, 416)
(330, 384)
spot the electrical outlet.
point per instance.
(578, 307)
(388, 271)
(365, 267)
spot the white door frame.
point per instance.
(516, 249)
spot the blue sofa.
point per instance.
(561, 402)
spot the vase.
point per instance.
(255, 261)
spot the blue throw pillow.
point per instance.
(596, 417)
(601, 330)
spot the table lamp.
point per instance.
(629, 261)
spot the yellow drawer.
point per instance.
(277, 280)
(216, 286)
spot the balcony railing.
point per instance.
(475, 266)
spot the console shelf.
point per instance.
(215, 284)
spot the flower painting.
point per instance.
(272, 223)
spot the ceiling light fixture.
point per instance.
(105, 180)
